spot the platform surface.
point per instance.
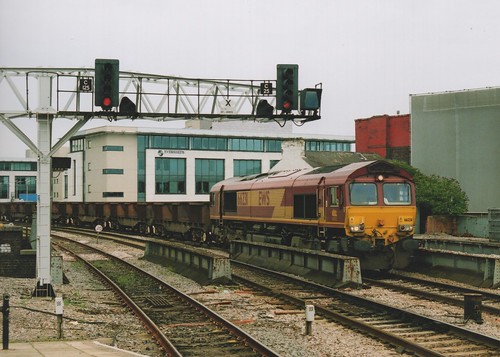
(64, 349)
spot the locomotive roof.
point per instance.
(333, 174)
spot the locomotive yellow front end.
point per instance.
(380, 221)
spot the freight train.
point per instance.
(365, 209)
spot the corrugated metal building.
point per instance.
(456, 135)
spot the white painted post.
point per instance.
(309, 318)
(45, 116)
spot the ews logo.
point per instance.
(264, 198)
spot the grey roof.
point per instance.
(331, 158)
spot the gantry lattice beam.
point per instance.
(156, 97)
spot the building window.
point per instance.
(169, 142)
(74, 177)
(112, 148)
(17, 166)
(77, 145)
(112, 171)
(207, 173)
(89, 167)
(246, 145)
(4, 186)
(65, 186)
(89, 189)
(112, 194)
(170, 175)
(89, 144)
(24, 166)
(246, 167)
(25, 188)
(273, 145)
(208, 143)
(323, 145)
(142, 145)
(273, 163)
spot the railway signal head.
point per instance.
(107, 76)
(287, 87)
(310, 98)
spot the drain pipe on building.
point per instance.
(5, 324)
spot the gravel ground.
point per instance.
(91, 312)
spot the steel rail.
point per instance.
(236, 331)
(436, 296)
(157, 334)
(371, 330)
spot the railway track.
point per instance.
(406, 331)
(181, 325)
(121, 238)
(436, 291)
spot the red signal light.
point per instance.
(106, 102)
(287, 105)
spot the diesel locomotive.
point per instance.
(365, 209)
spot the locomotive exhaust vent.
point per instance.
(157, 301)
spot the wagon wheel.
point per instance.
(160, 230)
(197, 235)
(142, 228)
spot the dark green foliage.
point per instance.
(437, 195)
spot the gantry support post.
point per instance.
(44, 118)
(43, 207)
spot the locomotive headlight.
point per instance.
(357, 228)
(356, 224)
(405, 228)
(406, 224)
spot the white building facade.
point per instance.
(130, 164)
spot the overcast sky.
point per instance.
(370, 55)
